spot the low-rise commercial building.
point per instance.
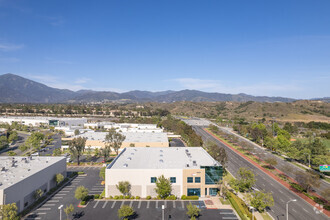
(52, 121)
(191, 170)
(20, 177)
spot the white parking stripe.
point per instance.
(44, 209)
(139, 204)
(182, 204)
(122, 203)
(104, 204)
(41, 213)
(157, 204)
(96, 204)
(49, 204)
(165, 204)
(54, 200)
(131, 203)
(148, 203)
(65, 191)
(61, 194)
(113, 204)
(173, 204)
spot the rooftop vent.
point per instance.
(187, 165)
(161, 160)
(125, 165)
(132, 153)
(160, 155)
(161, 150)
(129, 158)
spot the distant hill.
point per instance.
(16, 89)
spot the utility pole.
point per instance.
(287, 208)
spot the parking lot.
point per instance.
(107, 209)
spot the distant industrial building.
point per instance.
(191, 170)
(136, 139)
(125, 127)
(20, 177)
(52, 121)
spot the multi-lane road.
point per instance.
(299, 210)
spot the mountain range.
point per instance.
(16, 89)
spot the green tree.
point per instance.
(246, 179)
(58, 178)
(77, 147)
(76, 132)
(8, 212)
(38, 194)
(125, 212)
(102, 173)
(13, 136)
(124, 187)
(193, 211)
(217, 152)
(57, 152)
(68, 210)
(3, 142)
(163, 187)
(326, 194)
(34, 141)
(81, 193)
(114, 139)
(271, 161)
(105, 152)
(261, 200)
(307, 180)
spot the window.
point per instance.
(212, 174)
(213, 191)
(193, 192)
(197, 179)
(190, 180)
(173, 179)
(153, 179)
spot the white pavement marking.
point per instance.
(131, 203)
(148, 204)
(61, 194)
(104, 204)
(122, 203)
(113, 204)
(96, 204)
(294, 210)
(157, 204)
(280, 191)
(165, 204)
(173, 204)
(182, 204)
(282, 200)
(41, 213)
(65, 191)
(228, 217)
(305, 210)
(44, 209)
(139, 204)
(54, 200)
(49, 204)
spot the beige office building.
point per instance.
(191, 170)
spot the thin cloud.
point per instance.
(82, 80)
(9, 60)
(10, 47)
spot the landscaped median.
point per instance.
(257, 162)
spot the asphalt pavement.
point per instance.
(299, 210)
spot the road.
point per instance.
(299, 210)
(14, 147)
(281, 164)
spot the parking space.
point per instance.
(65, 196)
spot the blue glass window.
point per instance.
(153, 179)
(190, 180)
(173, 179)
(212, 174)
(197, 179)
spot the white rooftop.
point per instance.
(131, 137)
(163, 158)
(15, 169)
(39, 118)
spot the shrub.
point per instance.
(137, 197)
(83, 203)
(81, 173)
(183, 197)
(297, 187)
(116, 197)
(127, 197)
(121, 197)
(148, 197)
(192, 198)
(132, 197)
(171, 197)
(96, 196)
(111, 197)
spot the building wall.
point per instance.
(23, 191)
(140, 181)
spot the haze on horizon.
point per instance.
(271, 48)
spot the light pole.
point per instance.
(287, 208)
(60, 208)
(163, 212)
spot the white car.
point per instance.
(35, 154)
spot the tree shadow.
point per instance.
(78, 215)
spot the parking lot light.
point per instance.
(60, 208)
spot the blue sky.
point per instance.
(266, 47)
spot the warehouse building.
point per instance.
(191, 170)
(136, 139)
(52, 121)
(20, 177)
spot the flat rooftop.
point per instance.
(163, 158)
(131, 137)
(38, 118)
(16, 169)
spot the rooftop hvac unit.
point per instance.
(125, 165)
(161, 160)
(187, 165)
